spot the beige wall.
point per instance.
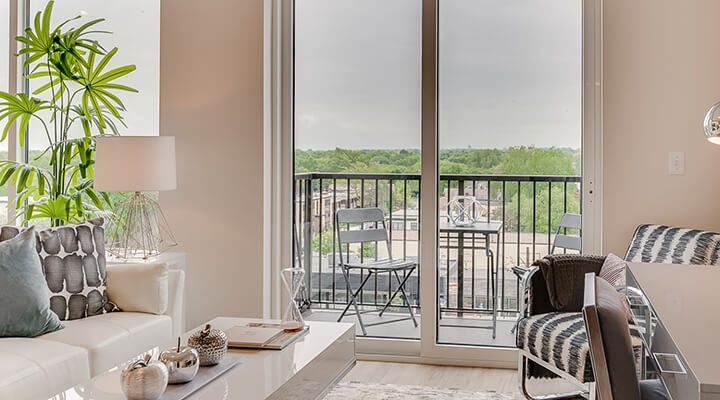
(661, 73)
(211, 101)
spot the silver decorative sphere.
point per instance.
(712, 124)
(463, 210)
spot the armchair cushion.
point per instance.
(139, 287)
(559, 339)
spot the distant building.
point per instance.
(324, 204)
(404, 220)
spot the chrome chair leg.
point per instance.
(522, 376)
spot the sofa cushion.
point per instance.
(38, 369)
(73, 260)
(25, 310)
(115, 337)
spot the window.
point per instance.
(357, 111)
(356, 88)
(509, 120)
(495, 91)
(4, 86)
(134, 30)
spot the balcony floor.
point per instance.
(466, 334)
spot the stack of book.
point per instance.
(262, 336)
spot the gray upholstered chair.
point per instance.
(671, 245)
(369, 226)
(550, 337)
(611, 349)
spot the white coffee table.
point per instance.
(306, 369)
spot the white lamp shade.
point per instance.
(135, 164)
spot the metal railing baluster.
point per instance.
(311, 219)
(334, 256)
(549, 232)
(307, 235)
(534, 216)
(320, 232)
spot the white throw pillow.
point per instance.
(138, 287)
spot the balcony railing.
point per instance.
(529, 206)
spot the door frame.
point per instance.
(279, 169)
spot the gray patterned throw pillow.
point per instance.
(73, 260)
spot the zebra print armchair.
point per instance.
(670, 245)
(552, 342)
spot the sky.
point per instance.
(510, 73)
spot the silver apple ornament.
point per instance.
(211, 345)
(144, 379)
(182, 363)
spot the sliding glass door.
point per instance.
(357, 144)
(509, 121)
(465, 122)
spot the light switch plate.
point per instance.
(676, 163)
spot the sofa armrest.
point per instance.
(149, 288)
(176, 300)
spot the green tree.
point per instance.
(326, 247)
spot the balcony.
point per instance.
(529, 206)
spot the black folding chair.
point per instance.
(363, 225)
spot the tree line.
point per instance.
(538, 206)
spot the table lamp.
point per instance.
(712, 124)
(136, 164)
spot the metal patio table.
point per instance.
(485, 229)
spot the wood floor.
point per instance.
(440, 376)
(467, 378)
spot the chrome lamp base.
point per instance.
(139, 230)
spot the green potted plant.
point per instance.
(78, 88)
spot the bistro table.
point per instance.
(461, 232)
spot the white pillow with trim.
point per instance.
(138, 287)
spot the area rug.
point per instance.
(382, 391)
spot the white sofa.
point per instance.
(37, 368)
